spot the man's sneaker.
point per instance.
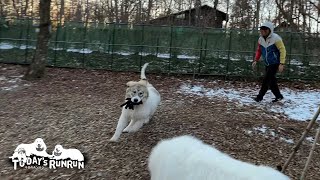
(257, 99)
(277, 99)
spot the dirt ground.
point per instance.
(80, 108)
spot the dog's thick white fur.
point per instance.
(187, 158)
(141, 114)
(38, 148)
(60, 153)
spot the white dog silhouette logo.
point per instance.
(37, 148)
(60, 153)
(35, 155)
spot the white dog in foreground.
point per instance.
(142, 102)
(60, 153)
(187, 158)
(38, 148)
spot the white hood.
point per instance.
(268, 25)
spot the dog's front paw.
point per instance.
(126, 130)
(114, 139)
(132, 130)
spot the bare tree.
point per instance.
(25, 7)
(78, 14)
(197, 6)
(242, 15)
(189, 14)
(257, 13)
(14, 4)
(298, 14)
(303, 13)
(116, 7)
(61, 13)
(149, 9)
(215, 4)
(2, 4)
(38, 64)
(138, 18)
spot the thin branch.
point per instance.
(314, 4)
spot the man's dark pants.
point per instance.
(270, 81)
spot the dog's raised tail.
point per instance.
(143, 71)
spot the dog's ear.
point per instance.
(128, 92)
(44, 146)
(131, 83)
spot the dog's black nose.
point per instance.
(135, 100)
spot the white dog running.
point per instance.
(187, 158)
(38, 148)
(60, 153)
(138, 92)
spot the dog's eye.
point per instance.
(140, 93)
(134, 92)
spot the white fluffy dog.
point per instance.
(38, 148)
(146, 100)
(187, 158)
(60, 153)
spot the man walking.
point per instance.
(273, 51)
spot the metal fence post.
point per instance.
(141, 48)
(27, 41)
(110, 39)
(112, 45)
(205, 52)
(290, 55)
(157, 48)
(55, 44)
(64, 35)
(254, 54)
(170, 48)
(229, 49)
(84, 43)
(200, 55)
(21, 32)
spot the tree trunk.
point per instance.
(111, 11)
(116, 10)
(150, 5)
(139, 11)
(286, 15)
(38, 64)
(25, 10)
(258, 14)
(197, 6)
(1, 8)
(215, 4)
(15, 8)
(61, 11)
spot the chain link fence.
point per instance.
(182, 50)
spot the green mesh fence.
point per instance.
(182, 50)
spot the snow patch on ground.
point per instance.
(297, 104)
(11, 83)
